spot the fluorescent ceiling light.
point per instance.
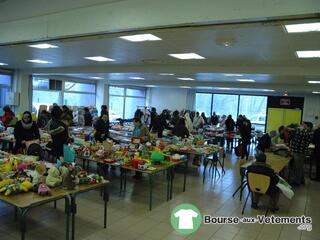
(245, 80)
(141, 37)
(38, 61)
(308, 54)
(223, 88)
(150, 86)
(186, 56)
(314, 82)
(136, 78)
(166, 74)
(186, 79)
(99, 59)
(97, 78)
(314, 92)
(268, 90)
(43, 46)
(233, 75)
(3, 64)
(185, 87)
(303, 27)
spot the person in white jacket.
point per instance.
(198, 121)
(189, 124)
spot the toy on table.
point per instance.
(53, 179)
(44, 190)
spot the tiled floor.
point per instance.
(129, 217)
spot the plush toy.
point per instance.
(69, 181)
(64, 171)
(83, 178)
(16, 188)
(38, 174)
(22, 166)
(94, 178)
(44, 190)
(53, 179)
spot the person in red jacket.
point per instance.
(8, 118)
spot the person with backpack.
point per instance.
(24, 131)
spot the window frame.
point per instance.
(124, 96)
(238, 107)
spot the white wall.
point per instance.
(168, 98)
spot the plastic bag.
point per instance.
(285, 188)
(68, 153)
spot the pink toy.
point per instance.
(43, 190)
(22, 166)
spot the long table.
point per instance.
(169, 168)
(25, 201)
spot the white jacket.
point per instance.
(188, 123)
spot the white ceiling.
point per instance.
(260, 51)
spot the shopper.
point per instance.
(229, 127)
(66, 112)
(175, 118)
(43, 119)
(140, 130)
(299, 146)
(214, 119)
(58, 131)
(104, 110)
(198, 121)
(264, 143)
(245, 133)
(180, 130)
(102, 127)
(153, 123)
(203, 115)
(316, 142)
(87, 117)
(188, 121)
(24, 131)
(261, 167)
(8, 119)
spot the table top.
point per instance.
(31, 199)
(276, 162)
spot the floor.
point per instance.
(129, 217)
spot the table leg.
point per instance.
(67, 211)
(171, 181)
(150, 188)
(73, 213)
(185, 176)
(241, 189)
(125, 180)
(105, 199)
(23, 222)
(205, 164)
(55, 204)
(15, 214)
(168, 183)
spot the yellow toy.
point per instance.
(16, 188)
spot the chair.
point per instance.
(243, 183)
(222, 155)
(34, 116)
(213, 166)
(257, 183)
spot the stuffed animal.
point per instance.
(69, 181)
(44, 190)
(38, 174)
(16, 188)
(64, 171)
(53, 179)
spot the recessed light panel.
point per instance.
(3, 64)
(43, 46)
(185, 87)
(315, 92)
(98, 78)
(166, 74)
(233, 75)
(186, 56)
(38, 61)
(314, 82)
(186, 79)
(268, 90)
(308, 54)
(303, 27)
(245, 80)
(223, 88)
(99, 59)
(141, 37)
(136, 78)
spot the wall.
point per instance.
(168, 98)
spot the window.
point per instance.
(225, 104)
(80, 87)
(5, 86)
(79, 99)
(123, 102)
(203, 103)
(48, 91)
(254, 107)
(79, 94)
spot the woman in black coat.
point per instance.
(25, 130)
(180, 130)
(102, 127)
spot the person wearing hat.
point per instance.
(261, 167)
